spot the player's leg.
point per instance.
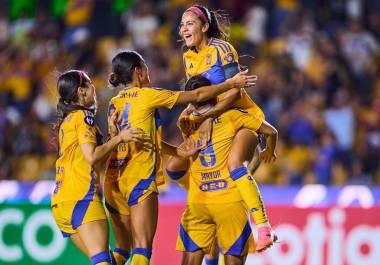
(242, 150)
(121, 227)
(192, 258)
(233, 231)
(243, 147)
(94, 236)
(79, 244)
(143, 223)
(234, 260)
(255, 162)
(212, 258)
(119, 216)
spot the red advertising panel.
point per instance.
(309, 236)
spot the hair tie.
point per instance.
(199, 13)
(80, 77)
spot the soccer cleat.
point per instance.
(266, 238)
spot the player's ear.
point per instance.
(205, 27)
(138, 71)
(81, 91)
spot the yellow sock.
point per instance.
(250, 193)
(121, 256)
(140, 256)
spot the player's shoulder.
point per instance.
(151, 90)
(222, 46)
(234, 113)
(85, 116)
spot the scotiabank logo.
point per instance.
(334, 236)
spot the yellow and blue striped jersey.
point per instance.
(76, 179)
(211, 62)
(138, 107)
(210, 180)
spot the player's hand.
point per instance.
(243, 80)
(113, 127)
(268, 156)
(205, 131)
(130, 134)
(188, 148)
(184, 122)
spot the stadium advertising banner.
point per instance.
(29, 235)
(315, 225)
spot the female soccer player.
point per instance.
(214, 206)
(76, 206)
(208, 53)
(131, 178)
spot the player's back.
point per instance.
(137, 107)
(76, 179)
(210, 180)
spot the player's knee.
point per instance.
(233, 163)
(234, 260)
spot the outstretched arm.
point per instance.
(208, 92)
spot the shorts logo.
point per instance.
(208, 59)
(89, 120)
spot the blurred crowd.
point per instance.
(318, 64)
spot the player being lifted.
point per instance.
(207, 53)
(214, 206)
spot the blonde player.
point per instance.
(131, 178)
(214, 205)
(208, 53)
(75, 203)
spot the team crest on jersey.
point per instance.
(89, 120)
(229, 57)
(208, 59)
(191, 66)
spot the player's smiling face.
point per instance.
(192, 30)
(89, 97)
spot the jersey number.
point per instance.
(207, 156)
(123, 122)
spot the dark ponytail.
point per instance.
(196, 81)
(123, 65)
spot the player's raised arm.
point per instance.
(211, 91)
